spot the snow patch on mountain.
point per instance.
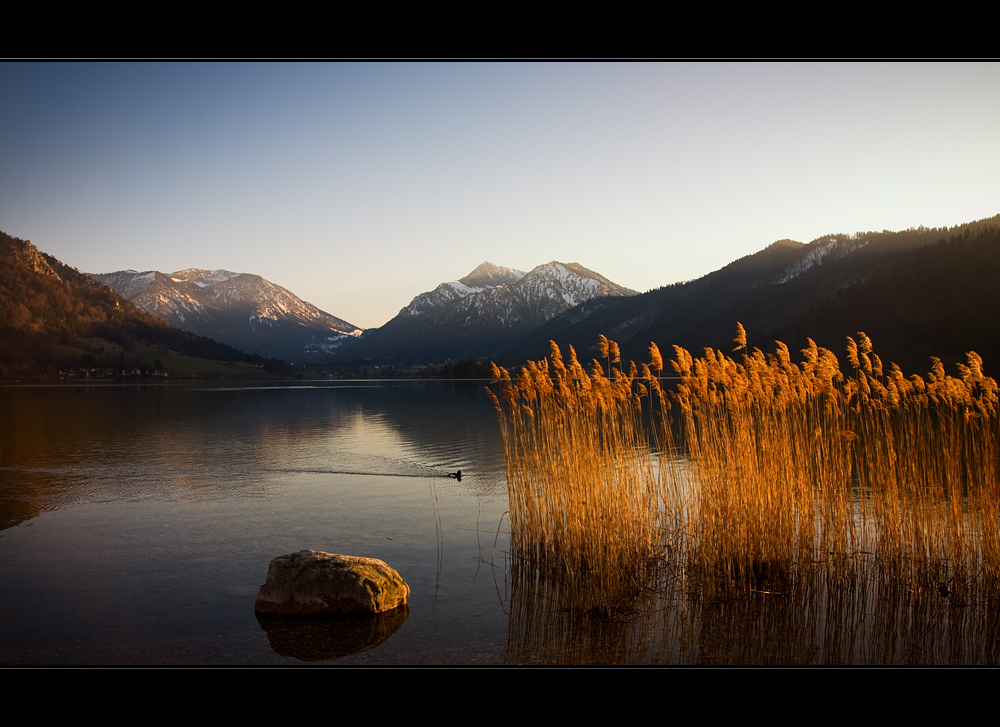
(818, 251)
(492, 294)
(486, 276)
(207, 277)
(210, 302)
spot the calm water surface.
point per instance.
(138, 521)
(137, 524)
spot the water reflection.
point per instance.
(137, 523)
(65, 444)
(320, 638)
(812, 622)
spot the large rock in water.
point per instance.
(311, 582)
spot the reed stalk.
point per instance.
(790, 468)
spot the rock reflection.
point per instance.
(322, 638)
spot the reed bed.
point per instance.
(583, 485)
(790, 469)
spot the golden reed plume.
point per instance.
(779, 468)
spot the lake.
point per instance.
(137, 523)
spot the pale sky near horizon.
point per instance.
(360, 185)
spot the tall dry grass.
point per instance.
(790, 467)
(585, 496)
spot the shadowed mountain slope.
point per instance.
(917, 293)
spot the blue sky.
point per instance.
(359, 185)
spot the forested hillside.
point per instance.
(917, 293)
(53, 318)
(938, 300)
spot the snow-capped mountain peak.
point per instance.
(487, 275)
(241, 309)
(485, 310)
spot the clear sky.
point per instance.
(360, 185)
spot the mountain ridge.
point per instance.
(242, 309)
(896, 286)
(777, 290)
(53, 318)
(482, 313)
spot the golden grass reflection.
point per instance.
(815, 621)
(810, 499)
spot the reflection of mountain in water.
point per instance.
(61, 444)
